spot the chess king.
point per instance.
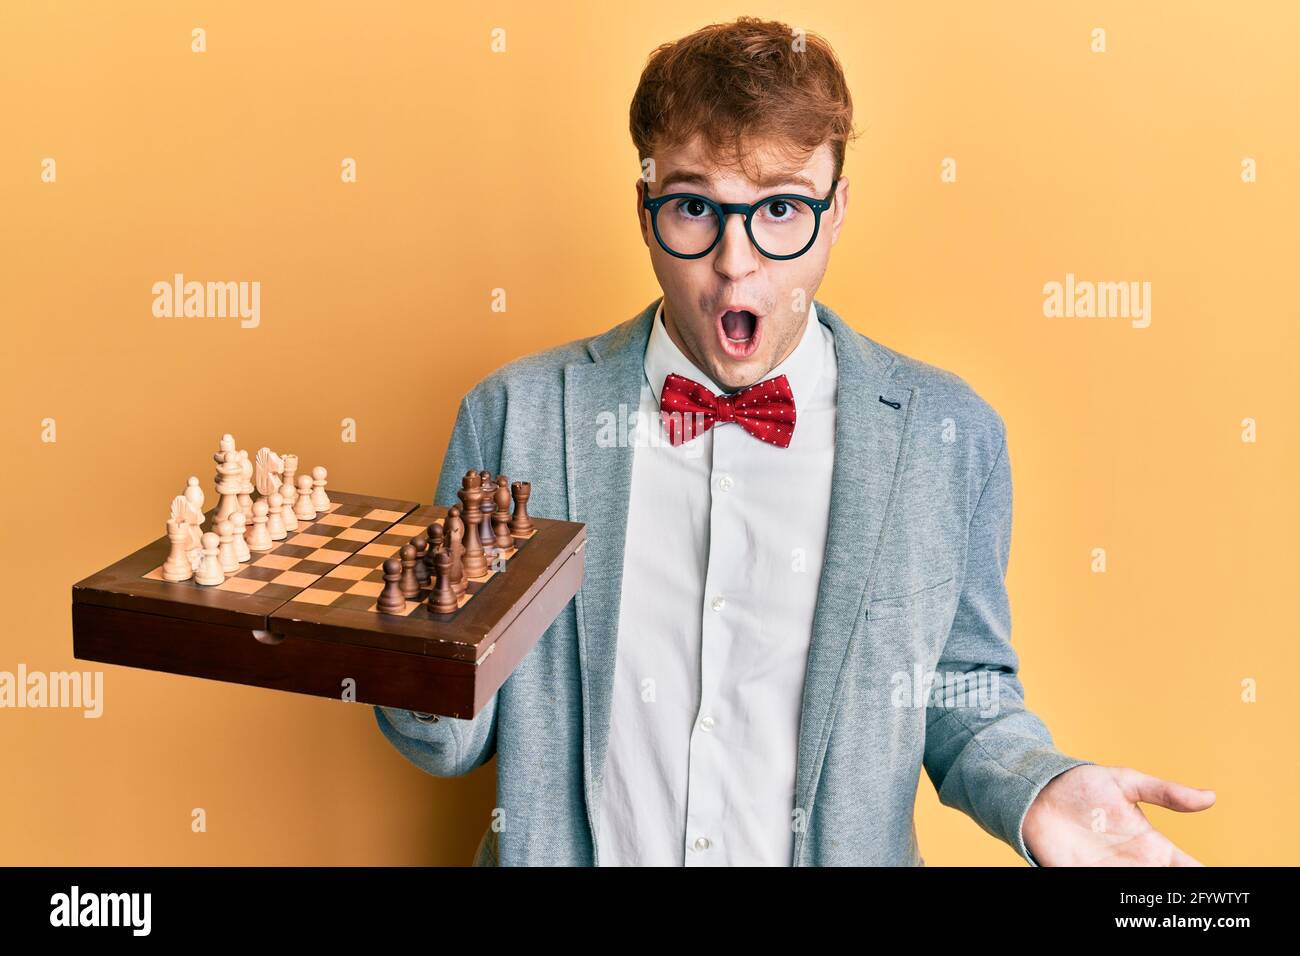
(822, 518)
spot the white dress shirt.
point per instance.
(723, 558)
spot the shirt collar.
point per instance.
(802, 367)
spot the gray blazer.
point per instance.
(912, 586)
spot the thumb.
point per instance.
(1143, 787)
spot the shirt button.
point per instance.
(702, 843)
(719, 603)
(725, 482)
(707, 723)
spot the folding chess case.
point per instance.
(302, 616)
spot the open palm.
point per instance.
(1089, 816)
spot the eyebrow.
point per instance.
(689, 177)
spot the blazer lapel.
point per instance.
(599, 398)
(868, 438)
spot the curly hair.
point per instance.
(735, 84)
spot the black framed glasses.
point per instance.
(689, 225)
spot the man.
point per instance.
(794, 592)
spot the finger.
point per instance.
(1166, 793)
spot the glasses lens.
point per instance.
(687, 226)
(782, 227)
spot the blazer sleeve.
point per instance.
(989, 761)
(447, 746)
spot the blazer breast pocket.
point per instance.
(913, 625)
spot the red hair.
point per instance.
(735, 84)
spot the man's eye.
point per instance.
(692, 209)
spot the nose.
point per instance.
(735, 256)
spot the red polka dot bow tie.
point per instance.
(765, 410)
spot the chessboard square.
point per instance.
(349, 572)
(365, 524)
(305, 540)
(369, 588)
(241, 585)
(261, 574)
(348, 546)
(352, 511)
(328, 583)
(295, 579)
(380, 514)
(295, 551)
(278, 592)
(357, 534)
(407, 530)
(281, 562)
(464, 598)
(317, 596)
(328, 556)
(354, 602)
(315, 568)
(341, 520)
(380, 550)
(155, 574)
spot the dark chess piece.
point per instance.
(455, 528)
(421, 544)
(442, 599)
(472, 560)
(521, 523)
(410, 582)
(392, 600)
(501, 516)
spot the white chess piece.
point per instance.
(209, 571)
(319, 500)
(259, 539)
(290, 519)
(246, 486)
(275, 519)
(177, 566)
(230, 479)
(267, 470)
(226, 547)
(242, 554)
(303, 509)
(194, 496)
(290, 476)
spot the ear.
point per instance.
(840, 208)
(642, 214)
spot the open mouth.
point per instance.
(739, 332)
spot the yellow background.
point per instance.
(515, 170)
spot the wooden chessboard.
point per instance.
(302, 617)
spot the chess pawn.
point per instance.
(410, 582)
(226, 547)
(391, 599)
(287, 516)
(501, 517)
(319, 500)
(442, 599)
(275, 518)
(177, 566)
(259, 539)
(303, 509)
(290, 475)
(521, 523)
(209, 572)
(240, 535)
